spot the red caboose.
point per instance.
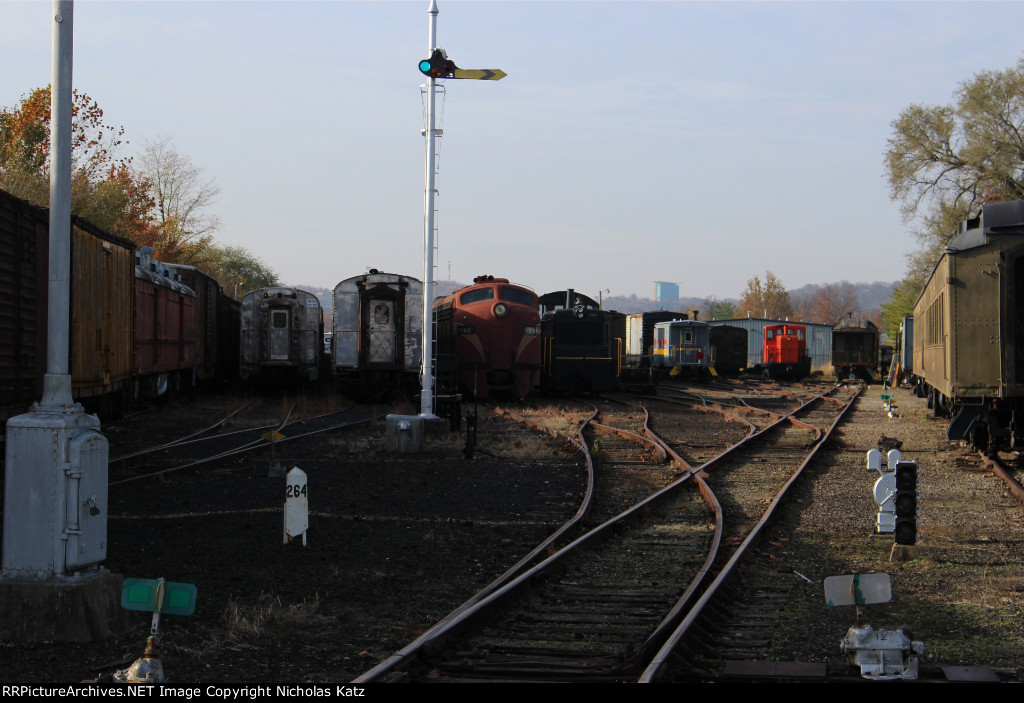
(785, 351)
(488, 334)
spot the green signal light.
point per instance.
(425, 66)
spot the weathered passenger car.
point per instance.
(282, 334)
(968, 344)
(488, 338)
(855, 348)
(377, 335)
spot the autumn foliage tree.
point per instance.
(104, 189)
(162, 202)
(769, 299)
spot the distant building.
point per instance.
(665, 291)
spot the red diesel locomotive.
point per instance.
(488, 339)
(785, 351)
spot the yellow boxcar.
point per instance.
(102, 299)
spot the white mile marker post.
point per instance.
(296, 505)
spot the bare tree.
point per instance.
(834, 302)
(183, 197)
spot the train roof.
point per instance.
(855, 324)
(556, 299)
(994, 219)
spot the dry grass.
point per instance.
(268, 616)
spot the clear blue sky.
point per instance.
(698, 142)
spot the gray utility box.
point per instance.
(55, 498)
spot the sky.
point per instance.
(697, 142)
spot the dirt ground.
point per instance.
(397, 541)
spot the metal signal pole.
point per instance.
(427, 389)
(437, 66)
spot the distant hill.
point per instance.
(870, 296)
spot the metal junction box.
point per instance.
(55, 502)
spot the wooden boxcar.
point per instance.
(23, 288)
(102, 308)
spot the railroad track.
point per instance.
(202, 448)
(733, 622)
(600, 608)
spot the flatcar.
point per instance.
(282, 333)
(968, 342)
(377, 331)
(855, 348)
(165, 335)
(784, 351)
(582, 346)
(488, 339)
(684, 346)
(728, 349)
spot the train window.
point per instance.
(688, 337)
(280, 319)
(475, 296)
(769, 333)
(516, 295)
(799, 334)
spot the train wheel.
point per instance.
(979, 436)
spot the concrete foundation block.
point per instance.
(83, 608)
(404, 434)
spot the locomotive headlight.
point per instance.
(532, 330)
(500, 309)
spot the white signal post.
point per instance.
(427, 389)
(432, 133)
